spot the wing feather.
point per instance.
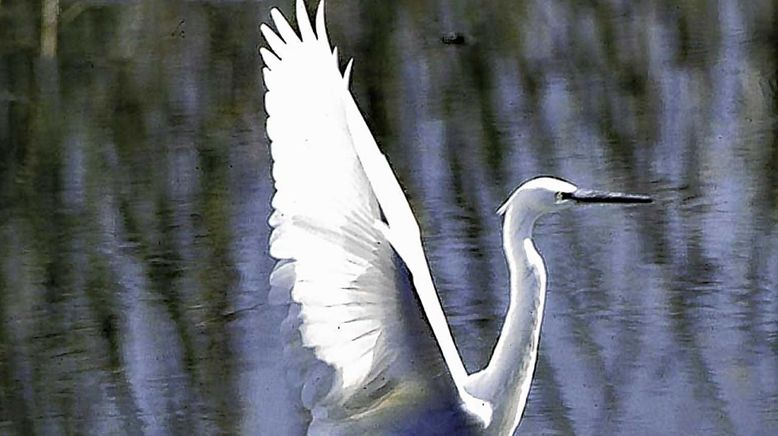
(273, 40)
(354, 326)
(289, 35)
(304, 23)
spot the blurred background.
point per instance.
(135, 187)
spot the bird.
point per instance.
(366, 341)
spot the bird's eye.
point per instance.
(562, 196)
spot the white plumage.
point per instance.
(367, 339)
(336, 265)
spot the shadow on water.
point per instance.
(135, 186)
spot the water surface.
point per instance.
(135, 186)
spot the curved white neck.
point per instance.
(506, 380)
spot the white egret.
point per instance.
(380, 356)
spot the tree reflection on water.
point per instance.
(135, 186)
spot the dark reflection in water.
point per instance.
(135, 186)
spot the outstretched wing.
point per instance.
(370, 350)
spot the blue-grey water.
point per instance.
(135, 186)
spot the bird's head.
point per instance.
(543, 195)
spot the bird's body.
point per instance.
(367, 339)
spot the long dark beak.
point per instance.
(589, 196)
